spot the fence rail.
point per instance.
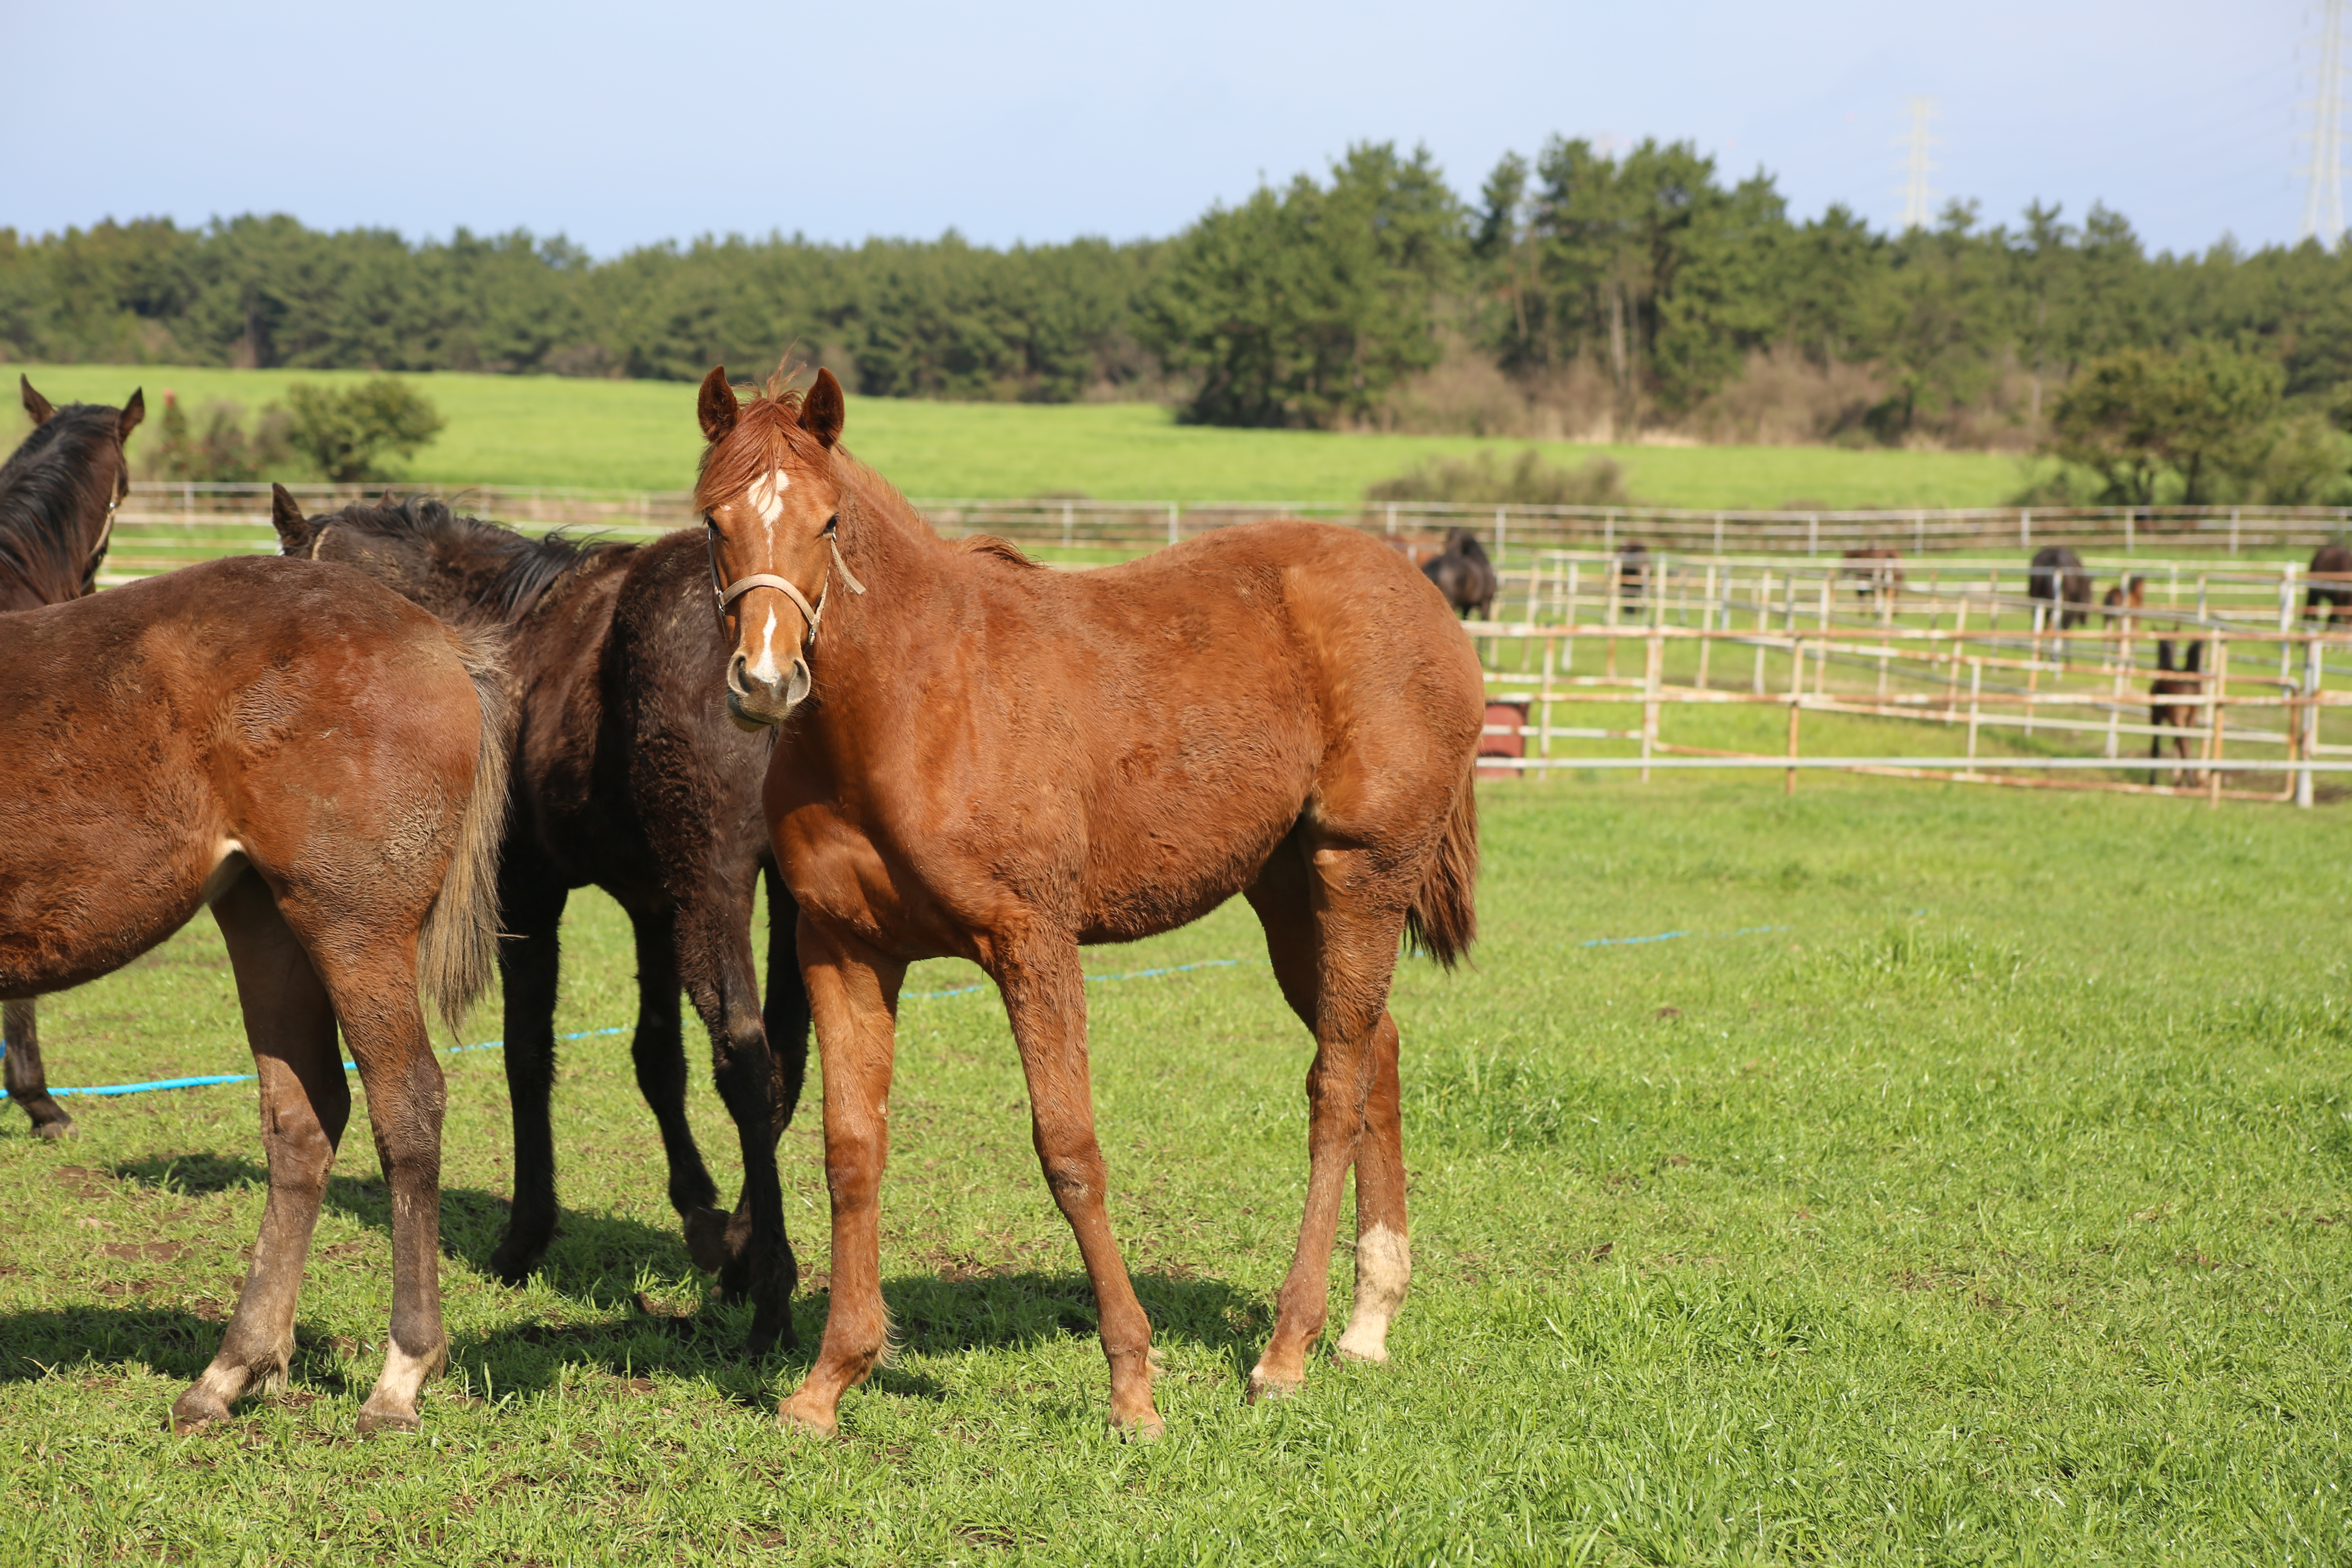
(168, 524)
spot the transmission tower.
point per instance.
(1918, 201)
(2322, 201)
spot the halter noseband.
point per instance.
(726, 592)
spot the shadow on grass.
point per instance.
(598, 1263)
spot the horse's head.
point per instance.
(771, 503)
(460, 568)
(96, 433)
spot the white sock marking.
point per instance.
(1383, 1267)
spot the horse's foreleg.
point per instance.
(1046, 997)
(532, 910)
(854, 993)
(749, 1251)
(27, 1083)
(305, 1102)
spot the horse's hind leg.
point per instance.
(532, 903)
(1384, 1255)
(27, 1084)
(305, 1102)
(658, 1052)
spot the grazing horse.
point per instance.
(1880, 574)
(626, 774)
(2331, 585)
(2182, 719)
(1633, 577)
(58, 496)
(324, 764)
(2056, 576)
(982, 758)
(1462, 573)
(2129, 593)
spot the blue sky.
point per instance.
(621, 124)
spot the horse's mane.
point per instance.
(525, 568)
(42, 491)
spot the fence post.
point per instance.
(1796, 707)
(1568, 650)
(1171, 522)
(1498, 539)
(1763, 622)
(1065, 524)
(1654, 666)
(1976, 687)
(1391, 517)
(2213, 739)
(1543, 735)
(1919, 533)
(1718, 533)
(1812, 533)
(2024, 526)
(1706, 627)
(2308, 720)
(2233, 530)
(2129, 514)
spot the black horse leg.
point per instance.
(715, 940)
(528, 960)
(785, 1015)
(659, 1053)
(27, 1085)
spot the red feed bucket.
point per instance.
(1510, 716)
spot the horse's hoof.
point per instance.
(1264, 1385)
(706, 1240)
(795, 1414)
(1147, 1427)
(1348, 1355)
(195, 1410)
(63, 1127)
(512, 1263)
(375, 1418)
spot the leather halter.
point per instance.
(726, 592)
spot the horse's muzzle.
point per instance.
(754, 701)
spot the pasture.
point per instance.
(1973, 1182)
(548, 430)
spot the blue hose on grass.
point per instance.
(209, 1081)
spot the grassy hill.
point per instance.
(546, 430)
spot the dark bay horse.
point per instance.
(324, 764)
(979, 757)
(2056, 576)
(1877, 574)
(57, 495)
(1462, 573)
(626, 775)
(2181, 717)
(2330, 594)
(2129, 593)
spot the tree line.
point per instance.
(1578, 291)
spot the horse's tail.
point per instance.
(458, 947)
(1443, 918)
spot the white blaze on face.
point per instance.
(764, 666)
(767, 498)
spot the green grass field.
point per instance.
(1972, 1184)
(546, 430)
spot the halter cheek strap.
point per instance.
(813, 614)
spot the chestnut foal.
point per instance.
(324, 764)
(978, 757)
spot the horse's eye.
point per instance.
(832, 522)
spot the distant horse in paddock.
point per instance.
(1633, 569)
(2056, 577)
(1464, 574)
(324, 764)
(978, 757)
(2330, 593)
(58, 496)
(2181, 718)
(1879, 575)
(626, 775)
(2129, 593)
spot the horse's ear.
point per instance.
(716, 406)
(286, 516)
(132, 413)
(35, 404)
(823, 409)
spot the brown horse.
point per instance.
(2181, 717)
(57, 495)
(323, 763)
(2129, 593)
(1878, 572)
(626, 775)
(981, 758)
